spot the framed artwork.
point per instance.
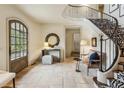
(121, 10)
(94, 42)
(113, 7)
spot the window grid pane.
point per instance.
(13, 25)
(18, 40)
(13, 56)
(12, 32)
(17, 26)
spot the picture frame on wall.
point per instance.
(121, 10)
(113, 7)
(94, 42)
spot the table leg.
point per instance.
(77, 66)
(13, 82)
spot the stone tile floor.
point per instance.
(58, 75)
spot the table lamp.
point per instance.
(83, 43)
(46, 45)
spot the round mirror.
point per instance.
(52, 39)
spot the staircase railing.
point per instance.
(111, 41)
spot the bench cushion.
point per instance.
(5, 77)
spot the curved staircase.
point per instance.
(111, 43)
(115, 34)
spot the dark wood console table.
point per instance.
(56, 53)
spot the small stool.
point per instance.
(77, 64)
(47, 59)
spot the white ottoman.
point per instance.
(47, 59)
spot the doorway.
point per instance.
(72, 42)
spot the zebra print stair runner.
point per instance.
(117, 81)
(119, 76)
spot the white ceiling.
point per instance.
(47, 13)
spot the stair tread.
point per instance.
(110, 78)
(117, 71)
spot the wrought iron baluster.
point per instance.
(101, 47)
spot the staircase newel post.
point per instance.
(101, 40)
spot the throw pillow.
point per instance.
(93, 56)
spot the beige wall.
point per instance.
(58, 29)
(35, 40)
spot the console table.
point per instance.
(56, 53)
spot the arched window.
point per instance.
(18, 44)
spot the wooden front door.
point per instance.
(18, 46)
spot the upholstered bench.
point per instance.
(6, 77)
(47, 59)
